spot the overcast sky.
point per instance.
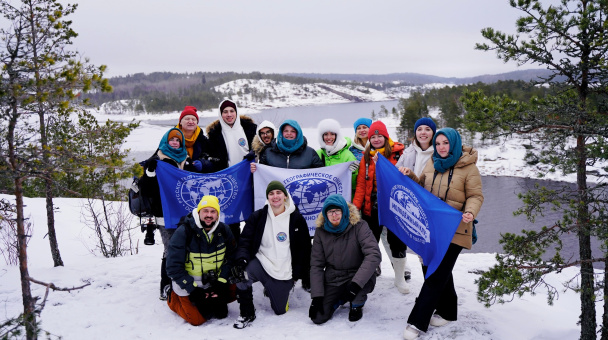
(435, 37)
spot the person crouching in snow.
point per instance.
(343, 261)
(199, 264)
(274, 249)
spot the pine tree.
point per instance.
(569, 130)
(41, 81)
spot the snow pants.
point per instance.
(186, 309)
(331, 300)
(278, 290)
(437, 294)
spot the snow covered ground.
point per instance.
(122, 300)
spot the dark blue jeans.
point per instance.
(437, 294)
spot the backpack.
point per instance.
(139, 205)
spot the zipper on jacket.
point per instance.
(288, 161)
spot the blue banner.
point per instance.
(420, 219)
(181, 191)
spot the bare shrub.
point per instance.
(8, 232)
(113, 228)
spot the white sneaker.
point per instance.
(438, 321)
(411, 332)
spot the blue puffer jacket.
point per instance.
(304, 157)
(192, 252)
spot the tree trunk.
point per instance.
(50, 213)
(605, 316)
(587, 318)
(50, 217)
(29, 303)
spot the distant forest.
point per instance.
(451, 109)
(167, 91)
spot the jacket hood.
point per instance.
(257, 145)
(469, 156)
(331, 125)
(266, 124)
(355, 216)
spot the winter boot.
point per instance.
(355, 314)
(165, 292)
(399, 267)
(245, 299)
(438, 321)
(411, 332)
(165, 281)
(407, 274)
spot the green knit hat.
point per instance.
(276, 185)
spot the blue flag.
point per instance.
(420, 219)
(181, 191)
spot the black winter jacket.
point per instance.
(216, 146)
(304, 157)
(191, 252)
(251, 239)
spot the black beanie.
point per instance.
(275, 185)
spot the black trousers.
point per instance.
(437, 294)
(398, 248)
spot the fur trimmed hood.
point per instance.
(331, 125)
(355, 216)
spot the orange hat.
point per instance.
(175, 133)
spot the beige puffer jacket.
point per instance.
(464, 193)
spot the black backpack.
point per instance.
(139, 204)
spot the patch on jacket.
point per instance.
(281, 237)
(242, 141)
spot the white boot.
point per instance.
(399, 267)
(387, 247)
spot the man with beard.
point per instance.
(264, 135)
(199, 262)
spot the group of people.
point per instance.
(207, 264)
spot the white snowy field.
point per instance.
(122, 300)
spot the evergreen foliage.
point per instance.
(41, 83)
(568, 129)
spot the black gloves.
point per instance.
(151, 165)
(241, 263)
(220, 289)
(250, 156)
(203, 165)
(197, 295)
(306, 283)
(316, 306)
(351, 291)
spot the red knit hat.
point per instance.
(377, 128)
(189, 110)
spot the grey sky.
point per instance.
(434, 37)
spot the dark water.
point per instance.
(496, 216)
